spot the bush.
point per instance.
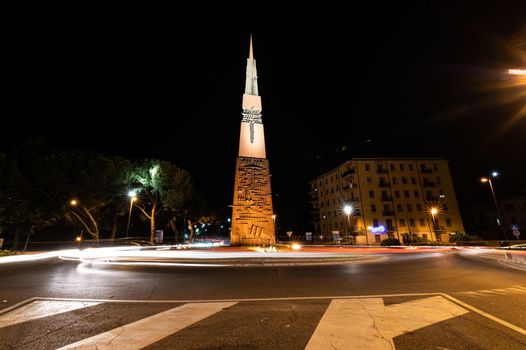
(390, 241)
(6, 252)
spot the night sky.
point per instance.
(375, 80)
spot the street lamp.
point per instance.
(133, 198)
(348, 210)
(499, 219)
(434, 212)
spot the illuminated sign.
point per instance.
(378, 229)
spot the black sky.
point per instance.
(375, 80)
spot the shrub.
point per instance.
(390, 241)
(6, 252)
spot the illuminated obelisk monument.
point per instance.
(252, 220)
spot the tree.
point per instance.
(93, 188)
(163, 186)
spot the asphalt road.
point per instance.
(276, 307)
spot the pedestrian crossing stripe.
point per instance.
(364, 319)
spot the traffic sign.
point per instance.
(515, 227)
(516, 233)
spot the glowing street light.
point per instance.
(73, 202)
(133, 197)
(348, 210)
(434, 212)
(499, 220)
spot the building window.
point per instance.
(409, 207)
(371, 194)
(375, 223)
(399, 207)
(419, 207)
(352, 195)
(395, 180)
(367, 167)
(416, 194)
(448, 222)
(422, 222)
(402, 222)
(406, 194)
(424, 236)
(401, 167)
(404, 180)
(413, 181)
(386, 207)
(333, 202)
(369, 180)
(373, 208)
(411, 167)
(332, 190)
(389, 223)
(439, 180)
(392, 167)
(412, 222)
(326, 181)
(397, 194)
(337, 188)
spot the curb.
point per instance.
(242, 262)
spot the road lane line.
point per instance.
(183, 301)
(39, 309)
(17, 305)
(367, 324)
(141, 333)
(485, 314)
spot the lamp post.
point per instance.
(499, 219)
(434, 212)
(348, 210)
(133, 198)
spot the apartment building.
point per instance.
(366, 200)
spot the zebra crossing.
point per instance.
(367, 322)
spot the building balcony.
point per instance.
(391, 228)
(384, 184)
(426, 171)
(348, 172)
(431, 199)
(386, 198)
(388, 213)
(381, 171)
(429, 184)
(350, 185)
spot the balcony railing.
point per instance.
(388, 213)
(429, 184)
(426, 171)
(384, 184)
(431, 199)
(386, 198)
(348, 172)
(381, 171)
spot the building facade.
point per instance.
(252, 215)
(513, 215)
(412, 200)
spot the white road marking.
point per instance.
(495, 291)
(485, 314)
(149, 330)
(39, 309)
(368, 324)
